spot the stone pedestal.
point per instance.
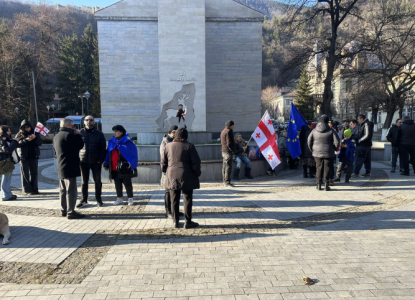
(155, 138)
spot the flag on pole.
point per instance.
(293, 139)
(264, 135)
(40, 128)
(276, 110)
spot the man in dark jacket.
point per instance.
(168, 138)
(392, 137)
(92, 156)
(364, 146)
(323, 141)
(228, 149)
(406, 142)
(67, 144)
(29, 154)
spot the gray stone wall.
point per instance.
(129, 74)
(233, 74)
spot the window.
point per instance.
(348, 86)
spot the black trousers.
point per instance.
(96, 175)
(363, 157)
(119, 182)
(29, 169)
(405, 151)
(167, 201)
(188, 203)
(340, 168)
(227, 166)
(323, 169)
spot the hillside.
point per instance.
(267, 7)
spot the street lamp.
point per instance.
(347, 106)
(412, 94)
(17, 117)
(53, 112)
(48, 107)
(87, 95)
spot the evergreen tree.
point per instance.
(304, 96)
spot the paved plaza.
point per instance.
(255, 241)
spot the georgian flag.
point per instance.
(264, 135)
(40, 128)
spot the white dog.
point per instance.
(4, 228)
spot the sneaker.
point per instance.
(393, 170)
(35, 193)
(365, 175)
(337, 180)
(130, 201)
(75, 215)
(190, 225)
(228, 184)
(331, 183)
(355, 175)
(63, 214)
(405, 174)
(83, 203)
(99, 203)
(13, 197)
(118, 201)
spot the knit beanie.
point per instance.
(347, 132)
(229, 123)
(173, 128)
(181, 133)
(324, 119)
(119, 128)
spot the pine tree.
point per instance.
(304, 96)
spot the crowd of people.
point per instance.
(80, 152)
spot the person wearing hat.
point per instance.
(346, 156)
(181, 166)
(168, 138)
(122, 158)
(323, 142)
(228, 149)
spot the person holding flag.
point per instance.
(323, 142)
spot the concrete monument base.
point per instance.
(155, 138)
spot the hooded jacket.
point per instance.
(166, 139)
(323, 141)
(26, 148)
(392, 136)
(406, 134)
(365, 134)
(347, 155)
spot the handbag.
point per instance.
(6, 166)
(124, 168)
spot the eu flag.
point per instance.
(293, 139)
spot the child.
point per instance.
(346, 156)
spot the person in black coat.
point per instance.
(67, 144)
(92, 157)
(406, 142)
(392, 137)
(8, 150)
(29, 154)
(181, 165)
(306, 157)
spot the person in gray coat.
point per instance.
(323, 141)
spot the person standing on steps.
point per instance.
(168, 138)
(228, 149)
(323, 142)
(364, 146)
(392, 137)
(92, 157)
(241, 156)
(181, 165)
(406, 142)
(306, 157)
(8, 151)
(67, 144)
(121, 161)
(29, 154)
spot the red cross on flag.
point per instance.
(264, 135)
(40, 128)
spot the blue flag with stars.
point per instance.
(293, 139)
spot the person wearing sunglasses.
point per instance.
(92, 156)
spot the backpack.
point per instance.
(6, 166)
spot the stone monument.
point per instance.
(202, 54)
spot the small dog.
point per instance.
(4, 228)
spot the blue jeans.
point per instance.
(240, 159)
(6, 190)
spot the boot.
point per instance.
(236, 174)
(327, 186)
(319, 186)
(311, 173)
(305, 172)
(248, 173)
